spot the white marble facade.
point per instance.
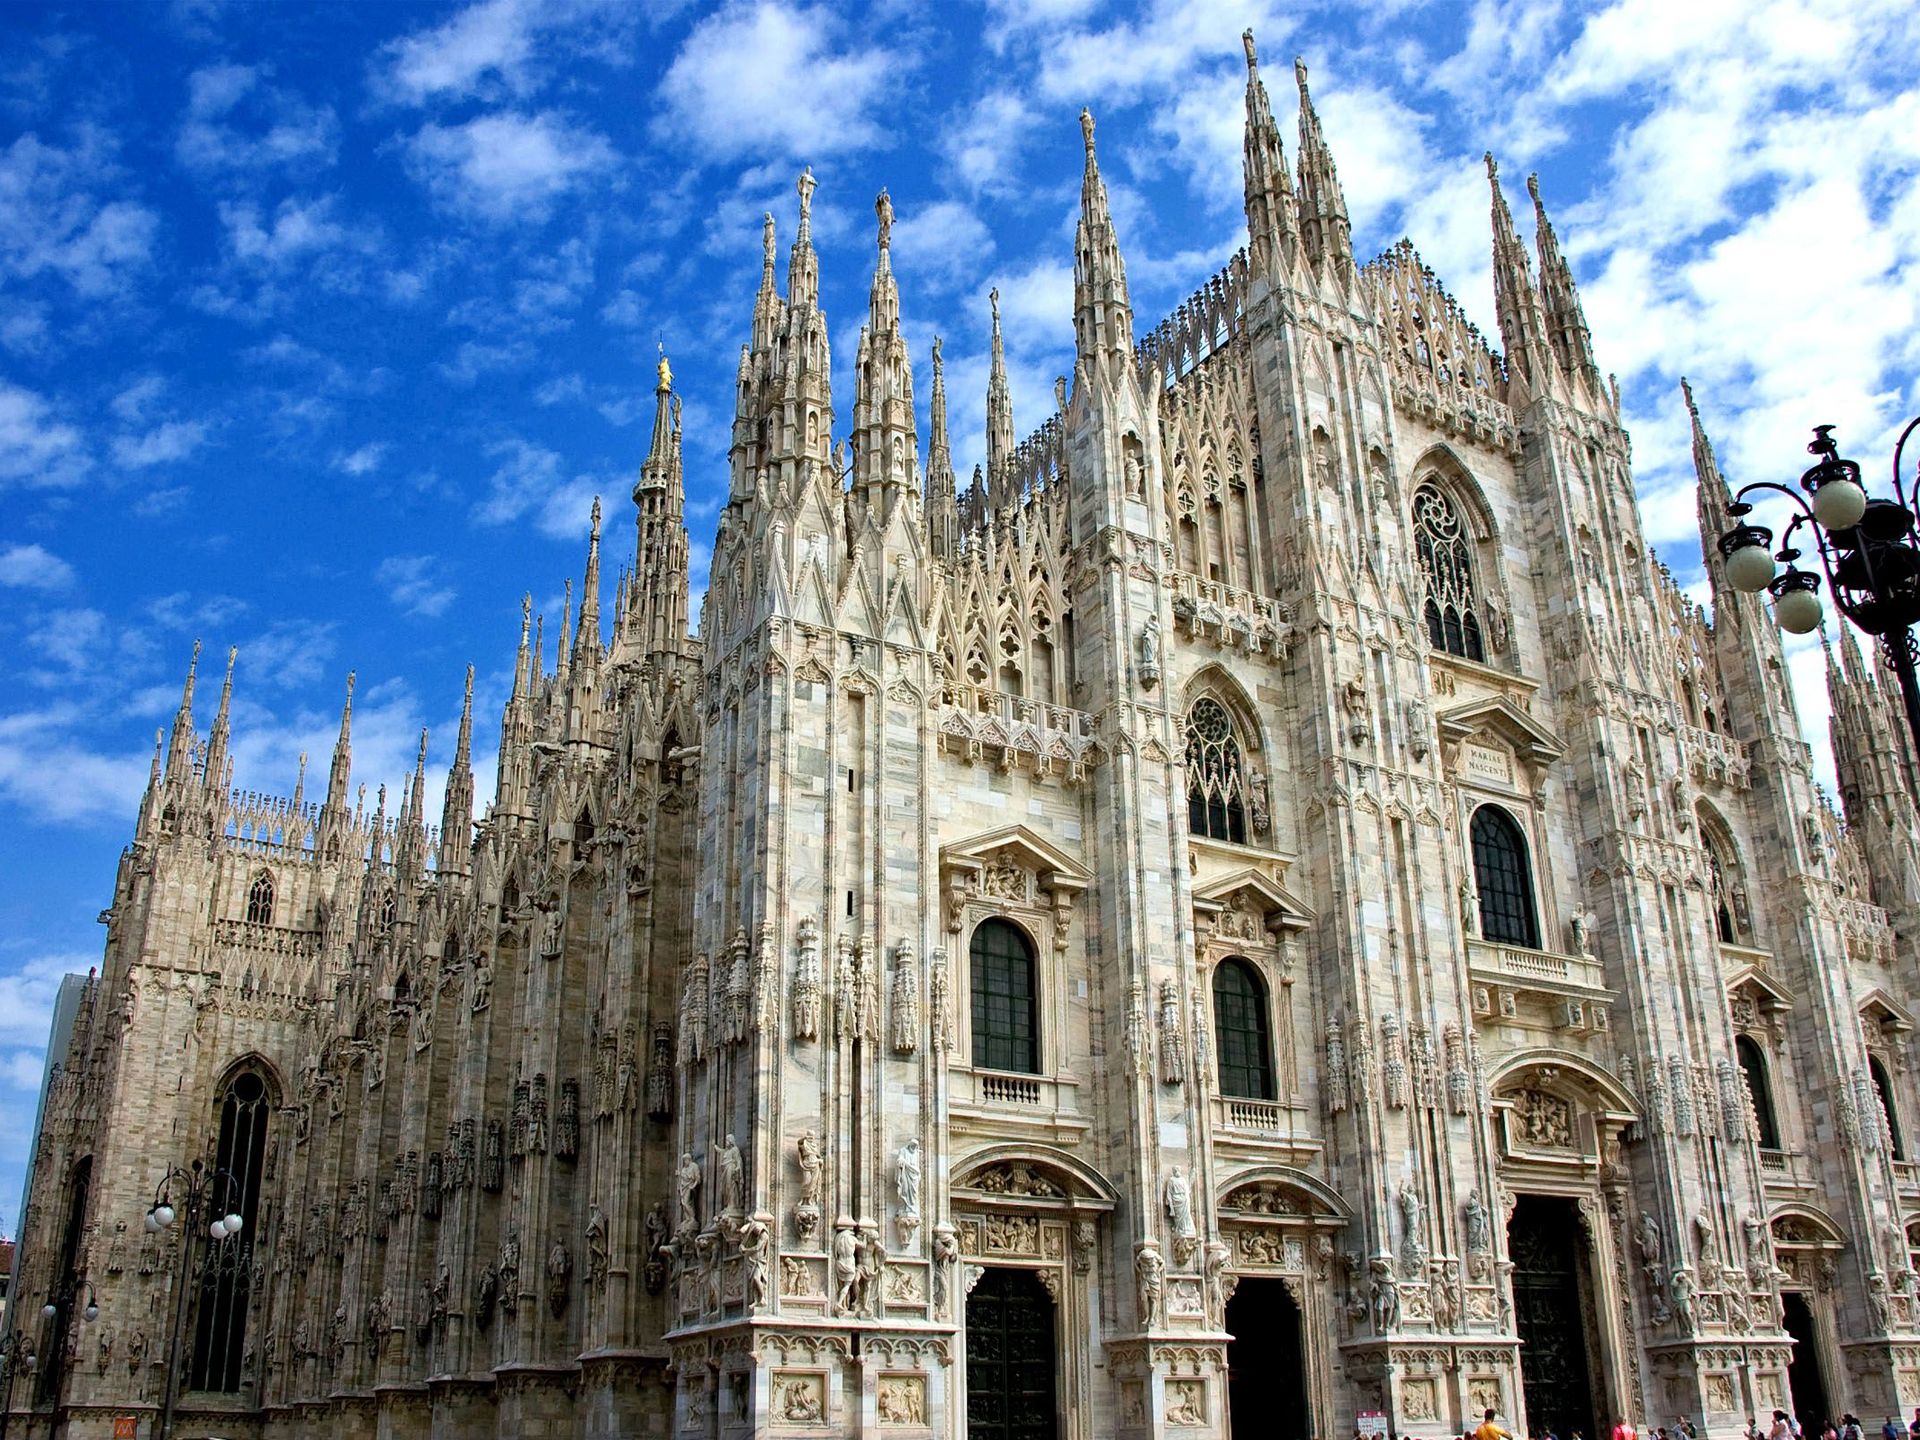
(1066, 886)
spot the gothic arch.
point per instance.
(253, 1060)
(1084, 1186)
(1213, 682)
(1440, 465)
(1317, 1191)
(1601, 1090)
(1814, 1223)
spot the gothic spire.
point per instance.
(1566, 321)
(1522, 325)
(1272, 226)
(803, 266)
(1102, 310)
(180, 745)
(943, 520)
(586, 643)
(766, 304)
(657, 603)
(1325, 230)
(885, 443)
(219, 739)
(334, 817)
(523, 662)
(999, 412)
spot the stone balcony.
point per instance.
(993, 727)
(1002, 1101)
(1789, 1170)
(1573, 987)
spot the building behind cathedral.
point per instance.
(1269, 905)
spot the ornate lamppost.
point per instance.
(1867, 547)
(200, 1182)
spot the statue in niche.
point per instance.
(1176, 1197)
(482, 983)
(1479, 1228)
(1413, 1242)
(597, 1258)
(754, 1242)
(1383, 1295)
(1149, 1279)
(559, 1278)
(510, 1267)
(846, 1268)
(906, 1177)
(733, 1180)
(870, 1257)
(686, 1180)
(1148, 668)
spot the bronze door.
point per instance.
(1010, 1358)
(1543, 1241)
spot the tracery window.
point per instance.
(1722, 910)
(1753, 1065)
(1240, 1023)
(1896, 1142)
(1504, 876)
(225, 1267)
(1216, 778)
(1446, 560)
(1006, 1032)
(260, 899)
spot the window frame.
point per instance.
(1756, 1073)
(221, 1275)
(263, 896)
(1452, 596)
(1525, 893)
(1035, 1039)
(1259, 1004)
(1229, 775)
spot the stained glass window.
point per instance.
(1006, 1035)
(1216, 783)
(1240, 1021)
(1753, 1065)
(1505, 879)
(1446, 560)
(225, 1267)
(260, 900)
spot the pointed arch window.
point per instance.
(224, 1268)
(1883, 1088)
(1722, 911)
(1753, 1065)
(1446, 561)
(260, 899)
(1504, 875)
(1006, 1031)
(1216, 776)
(1240, 1023)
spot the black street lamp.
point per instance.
(1867, 547)
(198, 1182)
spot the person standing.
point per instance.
(1490, 1431)
(1623, 1431)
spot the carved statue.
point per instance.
(482, 983)
(1148, 668)
(906, 1177)
(596, 1245)
(1149, 1272)
(846, 1269)
(807, 1155)
(733, 1179)
(1580, 926)
(559, 1276)
(1177, 1198)
(1383, 1295)
(1680, 1288)
(1173, 1053)
(1479, 1231)
(806, 982)
(754, 1241)
(868, 1261)
(1413, 1241)
(686, 1181)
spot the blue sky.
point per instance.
(320, 327)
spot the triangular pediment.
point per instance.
(1499, 716)
(1053, 865)
(1281, 908)
(1768, 992)
(1881, 1010)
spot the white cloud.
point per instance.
(53, 222)
(274, 127)
(767, 79)
(502, 46)
(939, 245)
(984, 144)
(508, 166)
(133, 403)
(295, 230)
(531, 483)
(27, 990)
(36, 449)
(48, 773)
(412, 583)
(363, 461)
(34, 567)
(164, 444)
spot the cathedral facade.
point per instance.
(1268, 906)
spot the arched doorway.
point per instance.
(1010, 1357)
(1805, 1379)
(1552, 1305)
(1266, 1364)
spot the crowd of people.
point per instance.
(1780, 1426)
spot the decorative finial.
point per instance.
(883, 208)
(1533, 186)
(1686, 389)
(936, 352)
(806, 186)
(596, 513)
(1086, 131)
(1246, 40)
(1300, 75)
(665, 371)
(993, 299)
(1493, 166)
